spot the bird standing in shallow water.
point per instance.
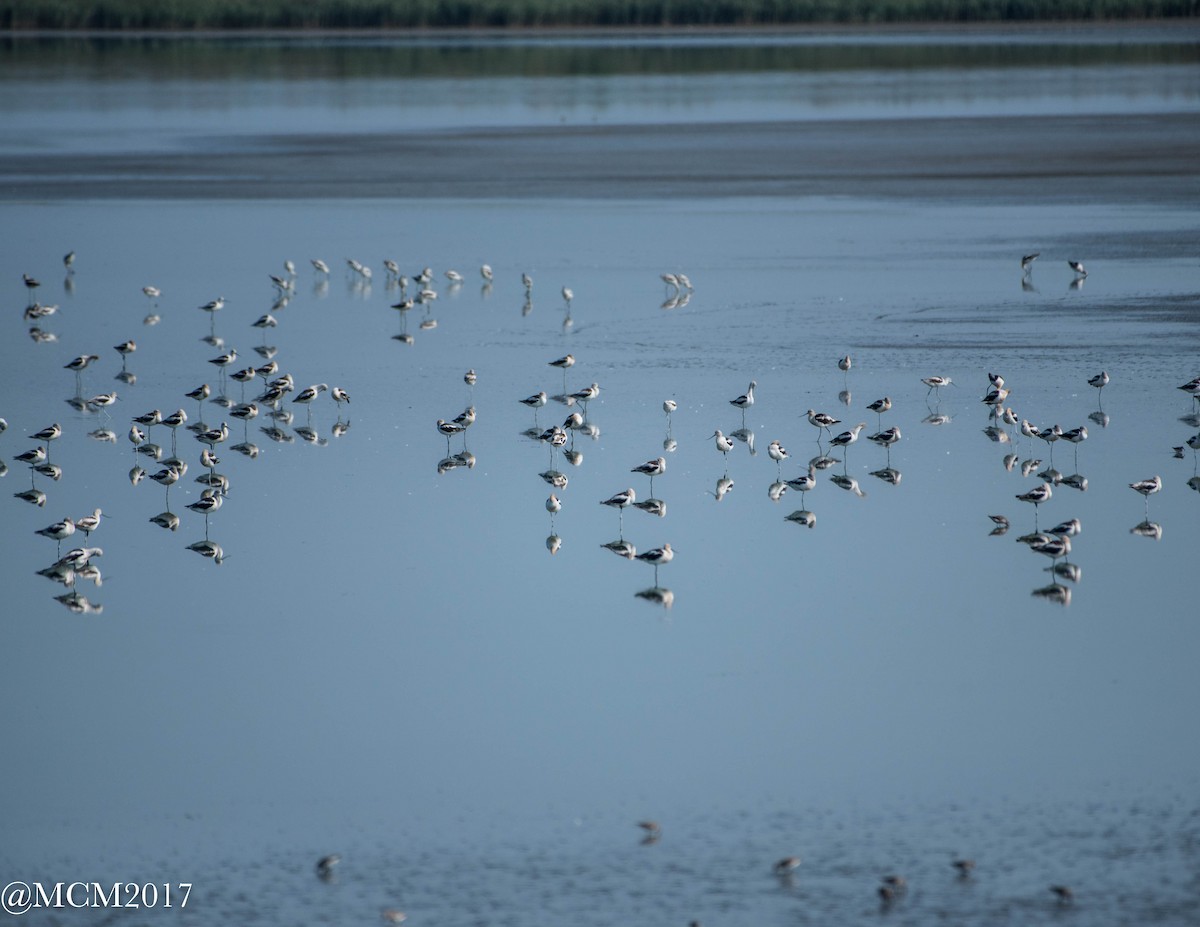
(745, 401)
(1147, 488)
(777, 453)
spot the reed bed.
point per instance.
(478, 14)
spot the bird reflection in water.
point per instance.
(210, 549)
(553, 543)
(746, 436)
(888, 475)
(724, 485)
(1147, 529)
(168, 520)
(79, 604)
(1055, 592)
(659, 596)
(802, 517)
(621, 548)
(849, 483)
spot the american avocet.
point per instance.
(30, 282)
(1076, 436)
(33, 457)
(787, 865)
(845, 363)
(47, 434)
(81, 362)
(1027, 261)
(620, 501)
(745, 401)
(89, 523)
(821, 420)
(724, 444)
(887, 437)
(586, 394)
(340, 395)
(246, 411)
(684, 281)
(149, 419)
(309, 393)
(1068, 528)
(200, 393)
(669, 406)
(1099, 381)
(210, 500)
(125, 348)
(657, 556)
(449, 429)
(936, 383)
(803, 484)
(103, 401)
(568, 294)
(1077, 266)
(1053, 548)
(1050, 436)
(152, 293)
(454, 276)
(1063, 893)
(777, 453)
(1147, 488)
(224, 360)
(535, 402)
(527, 282)
(670, 280)
(213, 436)
(651, 468)
(214, 305)
(553, 504)
(846, 438)
(58, 531)
(466, 417)
(879, 406)
(964, 866)
(1037, 496)
(69, 261)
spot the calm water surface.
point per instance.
(391, 665)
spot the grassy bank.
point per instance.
(441, 14)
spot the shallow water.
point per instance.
(390, 664)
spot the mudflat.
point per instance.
(1149, 158)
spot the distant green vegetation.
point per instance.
(456, 14)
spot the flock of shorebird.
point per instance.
(1004, 426)
(169, 469)
(891, 889)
